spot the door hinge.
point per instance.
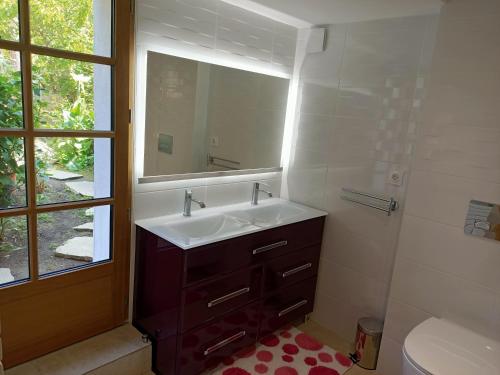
(132, 6)
(130, 116)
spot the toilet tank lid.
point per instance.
(440, 347)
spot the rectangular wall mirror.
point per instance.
(202, 118)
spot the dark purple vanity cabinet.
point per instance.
(202, 305)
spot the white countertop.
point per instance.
(210, 225)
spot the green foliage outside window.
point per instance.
(62, 24)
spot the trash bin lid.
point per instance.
(371, 326)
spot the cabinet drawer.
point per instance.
(206, 347)
(291, 268)
(226, 256)
(287, 305)
(283, 240)
(206, 301)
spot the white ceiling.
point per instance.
(317, 12)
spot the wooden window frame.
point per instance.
(120, 201)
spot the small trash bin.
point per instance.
(367, 344)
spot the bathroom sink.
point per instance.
(189, 230)
(221, 223)
(269, 214)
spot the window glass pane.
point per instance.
(12, 173)
(14, 256)
(73, 238)
(72, 169)
(77, 26)
(71, 95)
(9, 20)
(11, 99)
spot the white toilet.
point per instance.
(439, 347)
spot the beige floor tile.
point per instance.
(331, 339)
(90, 355)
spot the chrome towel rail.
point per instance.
(212, 160)
(389, 207)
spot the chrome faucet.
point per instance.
(188, 199)
(256, 190)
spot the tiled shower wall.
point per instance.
(439, 270)
(359, 107)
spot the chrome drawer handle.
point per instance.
(227, 297)
(263, 249)
(224, 342)
(293, 271)
(292, 308)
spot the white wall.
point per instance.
(439, 270)
(359, 105)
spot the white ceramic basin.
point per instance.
(189, 230)
(269, 214)
(221, 223)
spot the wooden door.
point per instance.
(65, 176)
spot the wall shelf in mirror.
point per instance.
(191, 176)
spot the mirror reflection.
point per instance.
(206, 118)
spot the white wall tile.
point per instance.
(357, 290)
(390, 357)
(467, 9)
(346, 248)
(308, 186)
(220, 195)
(356, 104)
(400, 319)
(448, 249)
(445, 198)
(440, 271)
(171, 201)
(164, 202)
(218, 28)
(422, 287)
(336, 315)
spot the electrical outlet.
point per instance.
(396, 177)
(214, 141)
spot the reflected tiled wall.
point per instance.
(360, 105)
(246, 112)
(170, 109)
(439, 270)
(218, 29)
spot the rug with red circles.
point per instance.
(287, 352)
